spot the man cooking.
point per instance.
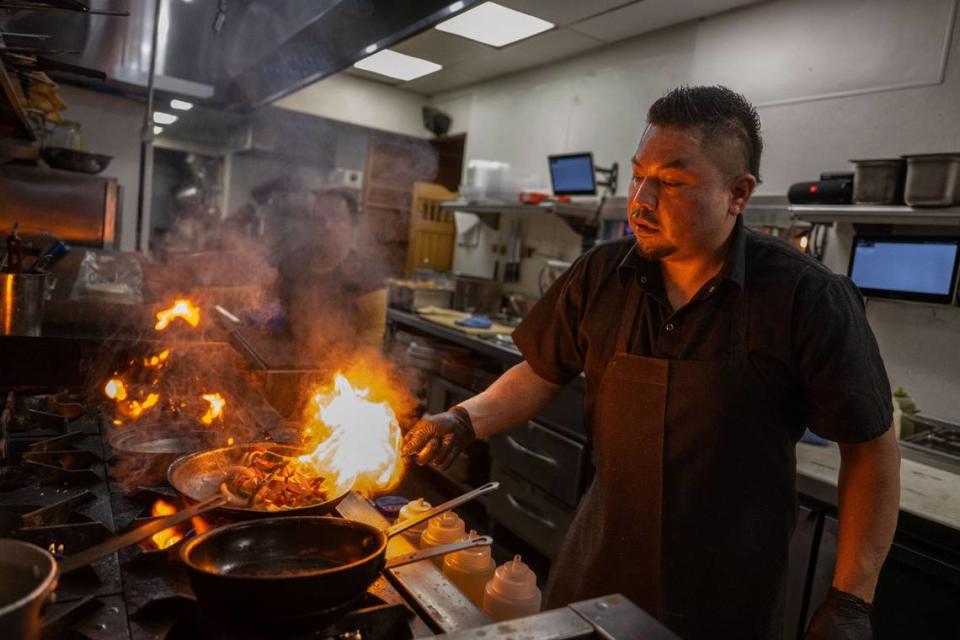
(707, 350)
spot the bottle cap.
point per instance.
(414, 508)
(514, 580)
(475, 559)
(444, 528)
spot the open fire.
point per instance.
(359, 444)
(215, 411)
(183, 309)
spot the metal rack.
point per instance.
(865, 214)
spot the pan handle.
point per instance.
(424, 554)
(94, 553)
(400, 527)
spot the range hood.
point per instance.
(232, 54)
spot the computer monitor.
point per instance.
(906, 267)
(572, 174)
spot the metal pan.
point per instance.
(289, 568)
(197, 477)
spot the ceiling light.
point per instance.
(164, 118)
(494, 24)
(397, 65)
(181, 105)
(370, 49)
(157, 130)
(456, 6)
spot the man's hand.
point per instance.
(439, 439)
(842, 616)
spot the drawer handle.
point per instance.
(516, 446)
(530, 513)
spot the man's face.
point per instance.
(682, 201)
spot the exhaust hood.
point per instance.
(232, 54)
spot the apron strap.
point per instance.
(630, 317)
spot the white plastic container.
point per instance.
(443, 529)
(408, 512)
(470, 570)
(512, 593)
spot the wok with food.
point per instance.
(259, 479)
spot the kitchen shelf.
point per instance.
(578, 216)
(864, 214)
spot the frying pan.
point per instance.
(197, 476)
(289, 568)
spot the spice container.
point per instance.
(878, 182)
(933, 180)
(512, 593)
(443, 529)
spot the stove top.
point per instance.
(56, 492)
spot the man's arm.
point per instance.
(869, 491)
(515, 397)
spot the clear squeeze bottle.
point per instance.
(443, 529)
(512, 593)
(470, 570)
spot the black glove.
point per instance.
(842, 616)
(439, 439)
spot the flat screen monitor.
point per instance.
(572, 174)
(906, 267)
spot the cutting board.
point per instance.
(448, 318)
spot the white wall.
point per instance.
(111, 125)
(833, 80)
(362, 102)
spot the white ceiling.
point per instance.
(581, 26)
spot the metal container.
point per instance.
(21, 303)
(477, 295)
(410, 298)
(933, 180)
(29, 575)
(878, 182)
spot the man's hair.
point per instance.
(718, 113)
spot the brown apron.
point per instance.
(693, 502)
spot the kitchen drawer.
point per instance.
(565, 412)
(528, 512)
(544, 457)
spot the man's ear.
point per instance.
(741, 188)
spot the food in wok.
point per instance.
(270, 481)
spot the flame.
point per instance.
(230, 441)
(183, 309)
(136, 408)
(216, 407)
(167, 537)
(157, 361)
(361, 447)
(115, 390)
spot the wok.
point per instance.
(197, 476)
(289, 568)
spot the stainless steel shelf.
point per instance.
(863, 214)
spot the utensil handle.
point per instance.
(400, 527)
(94, 553)
(425, 554)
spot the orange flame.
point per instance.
(216, 407)
(136, 408)
(167, 537)
(361, 447)
(183, 309)
(115, 390)
(157, 361)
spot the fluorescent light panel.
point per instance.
(157, 130)
(181, 105)
(164, 118)
(397, 65)
(494, 24)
